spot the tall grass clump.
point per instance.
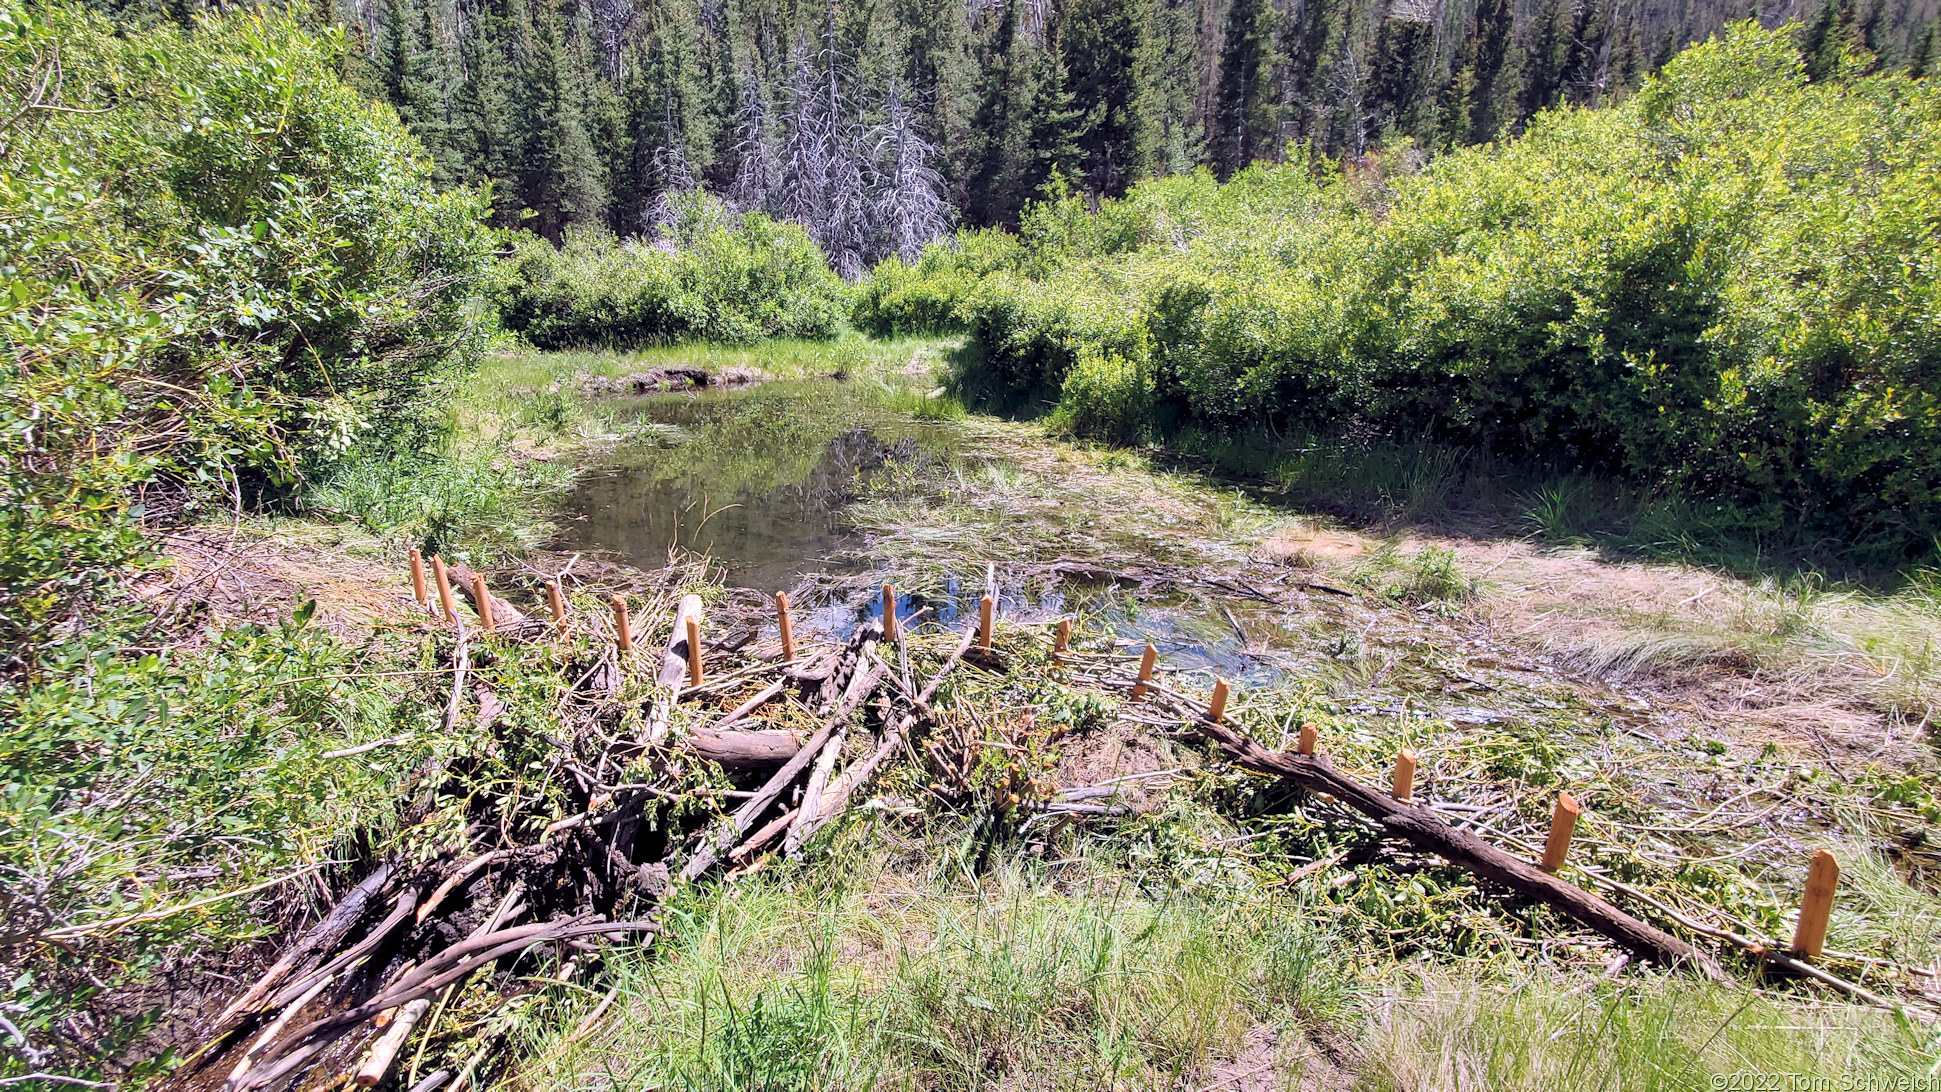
(711, 276)
(1723, 290)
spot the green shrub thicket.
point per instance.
(222, 272)
(1726, 288)
(713, 276)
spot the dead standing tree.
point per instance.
(910, 209)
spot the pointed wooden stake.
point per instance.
(1064, 640)
(986, 608)
(622, 628)
(1822, 876)
(1216, 707)
(1309, 736)
(1405, 774)
(444, 583)
(418, 577)
(693, 651)
(483, 600)
(788, 631)
(556, 604)
(1146, 660)
(889, 613)
(1563, 823)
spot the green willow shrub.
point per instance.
(220, 270)
(1729, 287)
(713, 277)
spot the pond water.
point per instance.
(762, 479)
(757, 478)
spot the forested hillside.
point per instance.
(881, 125)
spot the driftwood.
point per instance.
(673, 662)
(320, 940)
(753, 750)
(1420, 826)
(856, 687)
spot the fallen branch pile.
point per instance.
(619, 815)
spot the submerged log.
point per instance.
(1421, 827)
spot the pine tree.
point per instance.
(994, 192)
(553, 171)
(667, 142)
(910, 209)
(1053, 125)
(1100, 43)
(1169, 85)
(1245, 120)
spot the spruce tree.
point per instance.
(993, 189)
(1100, 43)
(1053, 126)
(1245, 117)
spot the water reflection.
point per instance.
(757, 478)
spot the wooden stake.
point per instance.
(1405, 774)
(889, 613)
(556, 604)
(444, 589)
(1146, 660)
(1822, 876)
(986, 608)
(1064, 640)
(418, 577)
(622, 628)
(1216, 707)
(1563, 823)
(483, 599)
(1309, 736)
(788, 631)
(693, 651)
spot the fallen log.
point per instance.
(1420, 826)
(835, 796)
(322, 940)
(752, 750)
(730, 831)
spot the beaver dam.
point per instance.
(836, 742)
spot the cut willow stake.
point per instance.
(1405, 774)
(1309, 736)
(1064, 640)
(1146, 660)
(788, 631)
(693, 651)
(622, 628)
(889, 613)
(444, 589)
(1216, 707)
(555, 604)
(483, 599)
(986, 608)
(1563, 823)
(1822, 876)
(418, 577)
